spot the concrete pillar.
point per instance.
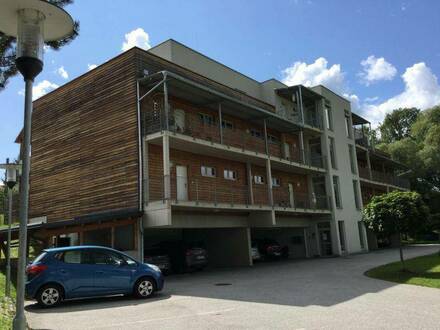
(166, 106)
(302, 147)
(220, 120)
(268, 166)
(310, 190)
(370, 173)
(250, 183)
(306, 243)
(146, 177)
(166, 166)
(301, 105)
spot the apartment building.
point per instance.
(169, 144)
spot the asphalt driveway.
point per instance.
(309, 294)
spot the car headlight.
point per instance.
(154, 267)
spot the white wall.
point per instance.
(348, 213)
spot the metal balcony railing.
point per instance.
(216, 191)
(360, 137)
(246, 140)
(388, 178)
(284, 198)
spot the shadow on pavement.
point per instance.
(78, 305)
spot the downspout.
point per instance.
(141, 176)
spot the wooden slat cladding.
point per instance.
(85, 144)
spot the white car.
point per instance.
(255, 253)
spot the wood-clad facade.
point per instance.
(85, 144)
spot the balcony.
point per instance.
(233, 136)
(384, 178)
(283, 198)
(360, 137)
(219, 193)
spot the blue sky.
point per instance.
(380, 54)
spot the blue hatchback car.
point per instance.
(88, 271)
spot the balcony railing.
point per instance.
(284, 198)
(360, 137)
(191, 125)
(213, 190)
(388, 178)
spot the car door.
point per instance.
(112, 273)
(76, 274)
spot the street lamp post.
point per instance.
(33, 22)
(11, 180)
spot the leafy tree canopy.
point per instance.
(396, 212)
(8, 48)
(417, 145)
(397, 124)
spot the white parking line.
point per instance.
(164, 318)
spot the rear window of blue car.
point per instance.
(40, 257)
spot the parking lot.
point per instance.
(329, 293)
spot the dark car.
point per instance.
(158, 257)
(88, 271)
(185, 256)
(270, 249)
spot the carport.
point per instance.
(295, 238)
(226, 247)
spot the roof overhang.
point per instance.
(208, 97)
(358, 120)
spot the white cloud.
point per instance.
(40, 89)
(138, 38)
(422, 91)
(91, 66)
(314, 74)
(354, 100)
(62, 72)
(375, 69)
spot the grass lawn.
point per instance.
(7, 305)
(423, 271)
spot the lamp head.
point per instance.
(33, 22)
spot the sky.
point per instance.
(379, 54)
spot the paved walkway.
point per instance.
(310, 294)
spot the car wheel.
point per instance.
(50, 295)
(144, 287)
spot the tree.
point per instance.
(397, 213)
(397, 124)
(420, 150)
(8, 48)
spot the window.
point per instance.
(106, 258)
(208, 171)
(206, 119)
(72, 257)
(258, 179)
(256, 133)
(337, 191)
(230, 174)
(352, 158)
(276, 182)
(331, 142)
(273, 139)
(124, 238)
(328, 117)
(347, 124)
(356, 195)
(341, 228)
(227, 124)
(101, 237)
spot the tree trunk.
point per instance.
(401, 252)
